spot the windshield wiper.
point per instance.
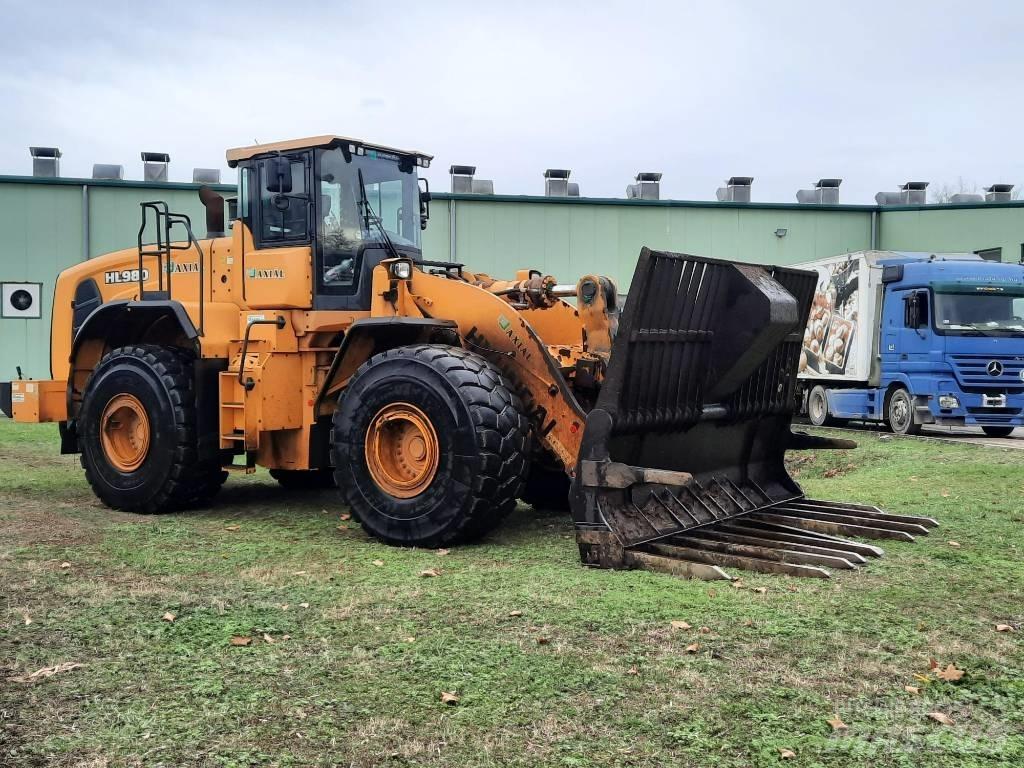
(369, 215)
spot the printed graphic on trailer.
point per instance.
(829, 335)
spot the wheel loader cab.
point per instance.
(340, 205)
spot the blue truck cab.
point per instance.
(916, 339)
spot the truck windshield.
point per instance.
(345, 223)
(999, 312)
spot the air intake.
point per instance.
(647, 187)
(911, 193)
(825, 192)
(154, 166)
(206, 175)
(45, 162)
(108, 171)
(462, 179)
(556, 183)
(736, 190)
(999, 193)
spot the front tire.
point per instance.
(429, 445)
(900, 413)
(137, 432)
(997, 431)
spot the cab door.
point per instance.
(279, 272)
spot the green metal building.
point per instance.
(51, 223)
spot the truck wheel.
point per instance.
(997, 431)
(900, 413)
(429, 445)
(546, 488)
(137, 432)
(304, 479)
(817, 406)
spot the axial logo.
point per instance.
(118, 276)
(506, 326)
(173, 268)
(266, 274)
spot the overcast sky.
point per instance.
(874, 92)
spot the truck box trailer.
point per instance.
(915, 338)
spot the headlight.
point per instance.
(402, 270)
(948, 402)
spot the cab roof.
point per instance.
(234, 156)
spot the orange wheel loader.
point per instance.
(312, 338)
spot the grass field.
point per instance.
(553, 664)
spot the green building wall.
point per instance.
(45, 229)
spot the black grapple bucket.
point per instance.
(692, 423)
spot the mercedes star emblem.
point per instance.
(995, 368)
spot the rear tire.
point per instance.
(998, 431)
(304, 479)
(157, 469)
(900, 413)
(817, 407)
(429, 445)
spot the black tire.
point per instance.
(304, 479)
(171, 476)
(546, 488)
(817, 407)
(998, 431)
(482, 437)
(899, 413)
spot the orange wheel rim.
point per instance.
(124, 432)
(402, 450)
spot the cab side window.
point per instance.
(283, 201)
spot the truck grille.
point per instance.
(972, 371)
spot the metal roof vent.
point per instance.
(108, 171)
(154, 166)
(966, 197)
(462, 179)
(911, 193)
(999, 193)
(482, 187)
(825, 192)
(647, 187)
(206, 175)
(736, 190)
(45, 161)
(556, 183)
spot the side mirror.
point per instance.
(278, 172)
(424, 203)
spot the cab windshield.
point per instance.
(982, 311)
(355, 189)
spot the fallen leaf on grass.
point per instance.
(442, 552)
(299, 573)
(303, 605)
(954, 544)
(430, 573)
(232, 527)
(268, 639)
(933, 664)
(286, 637)
(680, 625)
(921, 678)
(344, 516)
(761, 590)
(945, 493)
(999, 627)
(786, 754)
(837, 724)
(693, 647)
(28, 619)
(168, 616)
(950, 674)
(449, 698)
(515, 613)
(940, 717)
(378, 563)
(240, 640)
(912, 689)
(633, 671)
(39, 674)
(704, 630)
(712, 593)
(65, 564)
(738, 584)
(410, 639)
(543, 640)
(748, 622)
